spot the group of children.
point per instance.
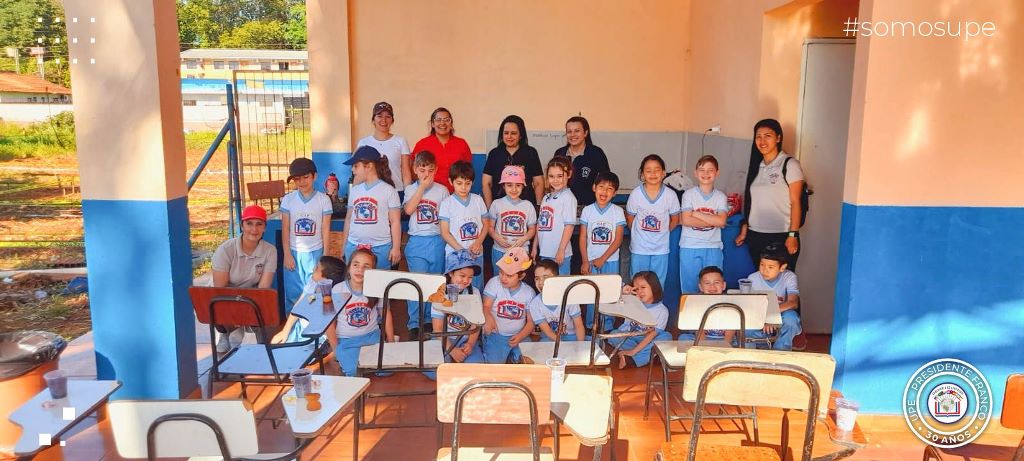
(447, 232)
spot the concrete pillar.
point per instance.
(124, 73)
(330, 94)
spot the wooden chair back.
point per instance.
(693, 307)
(235, 306)
(493, 406)
(266, 190)
(130, 421)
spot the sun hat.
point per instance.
(513, 174)
(460, 259)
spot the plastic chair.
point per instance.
(671, 355)
(1012, 417)
(494, 394)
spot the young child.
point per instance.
(772, 275)
(557, 217)
(546, 317)
(507, 320)
(711, 282)
(424, 251)
(515, 220)
(463, 216)
(601, 227)
(328, 268)
(652, 212)
(390, 145)
(305, 226)
(358, 324)
(703, 212)
(460, 267)
(374, 218)
(636, 350)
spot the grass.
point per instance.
(53, 137)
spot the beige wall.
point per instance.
(330, 97)
(937, 121)
(622, 64)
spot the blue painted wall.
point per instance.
(916, 284)
(140, 268)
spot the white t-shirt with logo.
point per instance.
(783, 285)
(601, 228)
(306, 215)
(557, 210)
(549, 314)
(358, 317)
(455, 322)
(657, 310)
(465, 219)
(649, 234)
(369, 206)
(424, 221)
(393, 148)
(512, 218)
(510, 306)
(769, 195)
(714, 203)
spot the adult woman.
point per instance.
(513, 149)
(392, 146)
(772, 203)
(446, 147)
(246, 261)
(587, 159)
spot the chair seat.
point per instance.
(676, 451)
(575, 353)
(495, 453)
(405, 354)
(251, 359)
(673, 353)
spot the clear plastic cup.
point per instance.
(746, 285)
(453, 293)
(302, 382)
(557, 367)
(325, 289)
(57, 382)
(846, 414)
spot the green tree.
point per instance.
(196, 26)
(22, 24)
(295, 28)
(255, 34)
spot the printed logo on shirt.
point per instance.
(703, 210)
(426, 212)
(585, 172)
(469, 231)
(773, 176)
(650, 223)
(456, 323)
(546, 219)
(365, 210)
(509, 309)
(305, 227)
(512, 223)
(357, 314)
(601, 234)
(259, 269)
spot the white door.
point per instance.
(824, 119)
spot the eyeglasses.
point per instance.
(443, 120)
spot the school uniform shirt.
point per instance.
(369, 204)
(244, 271)
(393, 148)
(510, 306)
(783, 285)
(557, 210)
(512, 218)
(455, 322)
(465, 219)
(526, 157)
(649, 234)
(306, 215)
(695, 200)
(445, 154)
(424, 222)
(601, 226)
(585, 168)
(358, 317)
(769, 195)
(543, 313)
(658, 310)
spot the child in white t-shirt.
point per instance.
(358, 324)
(557, 217)
(602, 225)
(424, 252)
(652, 211)
(329, 268)
(704, 210)
(772, 275)
(460, 268)
(374, 218)
(305, 228)
(636, 350)
(547, 317)
(464, 220)
(515, 220)
(507, 319)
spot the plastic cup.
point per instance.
(746, 285)
(325, 289)
(57, 382)
(302, 382)
(453, 293)
(557, 367)
(846, 414)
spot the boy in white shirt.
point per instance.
(424, 252)
(772, 275)
(305, 228)
(704, 210)
(464, 221)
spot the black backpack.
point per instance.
(805, 193)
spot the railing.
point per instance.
(234, 180)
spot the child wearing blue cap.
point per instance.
(374, 218)
(460, 268)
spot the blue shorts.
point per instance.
(654, 263)
(380, 251)
(295, 280)
(424, 254)
(692, 261)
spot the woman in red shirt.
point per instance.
(446, 147)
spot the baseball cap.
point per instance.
(301, 167)
(513, 174)
(367, 153)
(254, 212)
(383, 107)
(460, 259)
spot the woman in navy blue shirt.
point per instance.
(587, 159)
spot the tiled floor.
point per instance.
(635, 439)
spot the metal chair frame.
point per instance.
(217, 432)
(534, 438)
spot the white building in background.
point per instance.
(28, 98)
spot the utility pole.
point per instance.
(38, 52)
(12, 52)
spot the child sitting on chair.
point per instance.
(460, 267)
(772, 276)
(358, 323)
(507, 319)
(636, 350)
(328, 268)
(546, 317)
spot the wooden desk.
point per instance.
(336, 393)
(42, 416)
(584, 405)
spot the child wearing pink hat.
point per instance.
(515, 219)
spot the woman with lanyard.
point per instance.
(512, 149)
(587, 159)
(446, 147)
(771, 206)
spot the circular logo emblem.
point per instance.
(947, 403)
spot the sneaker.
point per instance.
(222, 343)
(236, 336)
(414, 334)
(800, 342)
